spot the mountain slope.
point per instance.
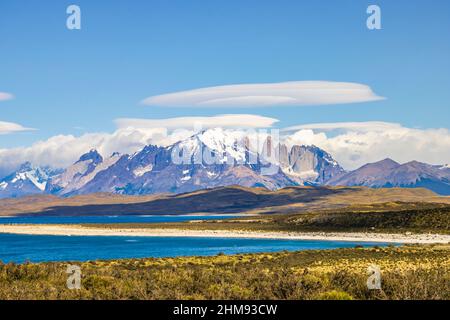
(27, 180)
(80, 173)
(388, 173)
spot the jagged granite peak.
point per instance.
(92, 155)
(80, 173)
(308, 164)
(26, 180)
(26, 166)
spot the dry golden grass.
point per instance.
(410, 272)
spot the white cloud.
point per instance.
(360, 143)
(5, 96)
(131, 135)
(63, 150)
(296, 93)
(352, 145)
(9, 127)
(354, 126)
(223, 121)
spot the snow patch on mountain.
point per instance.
(211, 174)
(225, 143)
(37, 176)
(212, 146)
(307, 175)
(140, 171)
(186, 178)
(37, 179)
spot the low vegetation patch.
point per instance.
(388, 218)
(407, 272)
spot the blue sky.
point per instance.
(78, 81)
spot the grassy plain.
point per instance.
(407, 272)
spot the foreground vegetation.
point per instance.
(408, 272)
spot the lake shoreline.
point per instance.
(77, 230)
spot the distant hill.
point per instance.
(223, 200)
(388, 173)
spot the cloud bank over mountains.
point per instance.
(221, 121)
(359, 143)
(351, 144)
(295, 93)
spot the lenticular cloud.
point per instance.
(297, 93)
(10, 127)
(5, 96)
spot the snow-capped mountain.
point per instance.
(80, 173)
(26, 180)
(211, 158)
(214, 158)
(388, 173)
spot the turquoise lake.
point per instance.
(41, 248)
(22, 248)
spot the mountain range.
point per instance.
(26, 180)
(214, 158)
(388, 173)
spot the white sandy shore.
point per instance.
(76, 230)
